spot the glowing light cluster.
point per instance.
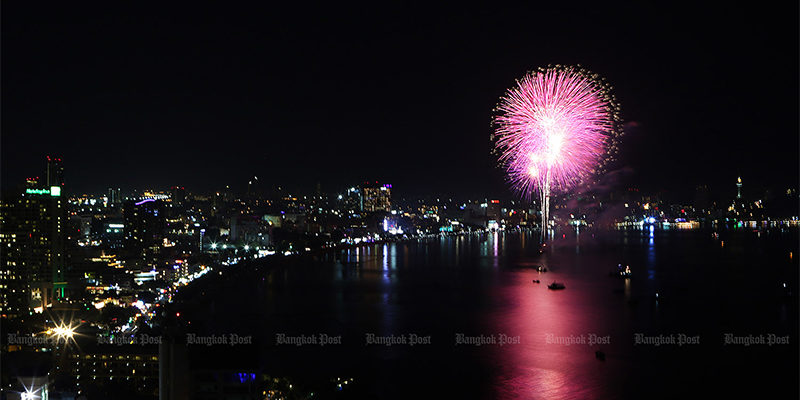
(63, 332)
(555, 128)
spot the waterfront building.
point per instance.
(376, 197)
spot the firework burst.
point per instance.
(555, 128)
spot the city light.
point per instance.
(63, 332)
(30, 395)
(113, 285)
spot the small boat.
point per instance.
(535, 281)
(556, 286)
(621, 272)
(541, 268)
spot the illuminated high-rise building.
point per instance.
(114, 196)
(376, 197)
(739, 188)
(14, 282)
(33, 239)
(55, 172)
(144, 227)
(351, 200)
(493, 210)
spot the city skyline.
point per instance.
(403, 96)
(604, 185)
(301, 201)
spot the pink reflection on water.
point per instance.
(538, 367)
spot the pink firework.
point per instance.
(555, 128)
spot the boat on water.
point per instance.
(535, 281)
(541, 268)
(556, 286)
(621, 272)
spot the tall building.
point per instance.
(376, 197)
(55, 172)
(114, 196)
(144, 223)
(33, 239)
(351, 200)
(739, 188)
(493, 210)
(178, 195)
(14, 282)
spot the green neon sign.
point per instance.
(54, 191)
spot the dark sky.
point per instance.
(152, 96)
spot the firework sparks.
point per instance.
(555, 128)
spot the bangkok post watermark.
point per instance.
(227, 339)
(672, 339)
(405, 339)
(319, 339)
(129, 340)
(764, 339)
(590, 339)
(31, 340)
(494, 339)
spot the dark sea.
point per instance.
(662, 333)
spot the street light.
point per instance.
(62, 332)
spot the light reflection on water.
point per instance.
(651, 254)
(538, 368)
(483, 285)
(532, 368)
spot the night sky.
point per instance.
(154, 96)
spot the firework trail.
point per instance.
(558, 126)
